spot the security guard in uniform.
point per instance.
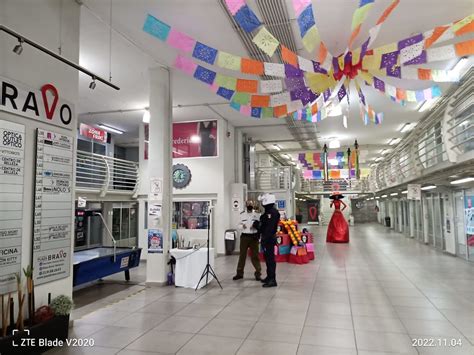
(268, 227)
(248, 240)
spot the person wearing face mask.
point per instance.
(267, 227)
(248, 240)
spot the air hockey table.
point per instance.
(96, 263)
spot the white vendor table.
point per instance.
(190, 264)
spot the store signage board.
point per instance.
(196, 139)
(414, 192)
(53, 206)
(45, 105)
(12, 155)
(93, 133)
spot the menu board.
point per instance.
(53, 206)
(12, 158)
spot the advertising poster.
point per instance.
(469, 219)
(154, 214)
(53, 206)
(195, 139)
(155, 241)
(12, 164)
(313, 211)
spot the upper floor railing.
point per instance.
(273, 178)
(103, 174)
(442, 138)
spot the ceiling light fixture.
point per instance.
(195, 139)
(384, 151)
(111, 129)
(377, 198)
(407, 127)
(18, 49)
(394, 194)
(334, 144)
(146, 115)
(426, 105)
(383, 196)
(92, 85)
(394, 141)
(344, 121)
(276, 147)
(459, 65)
(462, 181)
(429, 187)
(335, 111)
(378, 159)
(404, 192)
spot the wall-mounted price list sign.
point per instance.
(12, 157)
(53, 206)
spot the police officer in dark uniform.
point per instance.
(267, 228)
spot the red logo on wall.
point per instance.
(49, 108)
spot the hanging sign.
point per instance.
(93, 133)
(414, 192)
(53, 206)
(45, 105)
(12, 151)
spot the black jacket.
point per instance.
(268, 225)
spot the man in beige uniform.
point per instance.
(248, 239)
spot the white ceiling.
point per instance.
(134, 52)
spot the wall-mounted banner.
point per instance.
(313, 211)
(155, 241)
(195, 139)
(93, 133)
(45, 105)
(53, 206)
(12, 150)
(414, 192)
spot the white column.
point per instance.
(160, 164)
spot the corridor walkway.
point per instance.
(372, 296)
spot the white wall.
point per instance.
(39, 21)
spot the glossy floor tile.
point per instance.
(380, 294)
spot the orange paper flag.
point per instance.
(466, 29)
(250, 66)
(250, 86)
(280, 111)
(437, 33)
(260, 101)
(424, 74)
(289, 56)
(401, 94)
(464, 48)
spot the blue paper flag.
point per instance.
(256, 112)
(306, 20)
(365, 2)
(205, 53)
(247, 19)
(204, 75)
(235, 106)
(156, 28)
(435, 91)
(225, 93)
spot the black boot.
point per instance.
(271, 283)
(265, 280)
(237, 277)
(257, 277)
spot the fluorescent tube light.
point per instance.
(276, 147)
(407, 127)
(111, 129)
(394, 141)
(426, 105)
(378, 159)
(383, 196)
(429, 187)
(394, 194)
(334, 144)
(405, 192)
(377, 198)
(462, 181)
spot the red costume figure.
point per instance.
(338, 230)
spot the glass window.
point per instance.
(190, 214)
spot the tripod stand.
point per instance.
(208, 268)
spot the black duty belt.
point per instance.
(249, 234)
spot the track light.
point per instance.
(92, 85)
(19, 47)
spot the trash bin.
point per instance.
(387, 222)
(230, 236)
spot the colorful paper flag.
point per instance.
(205, 53)
(228, 61)
(156, 28)
(181, 41)
(265, 41)
(205, 75)
(247, 19)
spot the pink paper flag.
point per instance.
(427, 94)
(308, 174)
(181, 41)
(299, 5)
(185, 64)
(234, 5)
(214, 87)
(245, 110)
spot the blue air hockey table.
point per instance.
(96, 263)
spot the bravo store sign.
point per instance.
(44, 105)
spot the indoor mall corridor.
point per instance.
(374, 295)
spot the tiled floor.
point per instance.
(372, 296)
